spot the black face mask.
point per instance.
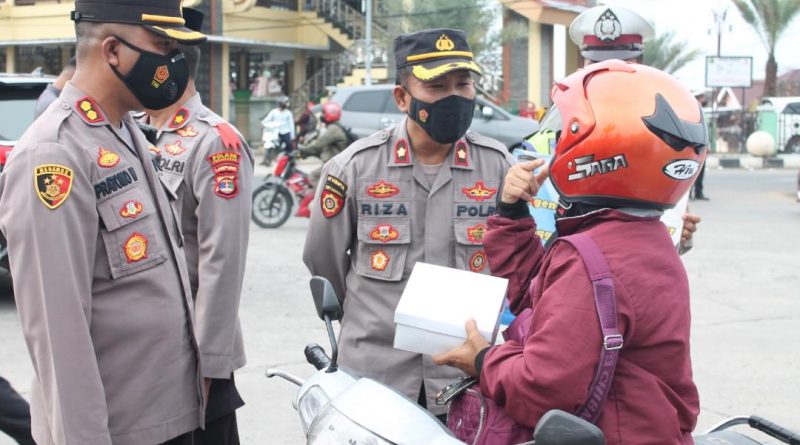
(445, 120)
(156, 80)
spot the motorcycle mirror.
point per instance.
(325, 299)
(557, 427)
(487, 112)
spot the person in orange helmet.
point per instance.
(629, 142)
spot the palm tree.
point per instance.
(666, 54)
(769, 18)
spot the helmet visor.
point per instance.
(544, 141)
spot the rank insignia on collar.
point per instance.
(131, 209)
(379, 260)
(179, 118)
(401, 152)
(89, 111)
(461, 154)
(382, 189)
(175, 149)
(107, 158)
(475, 233)
(384, 233)
(479, 192)
(53, 184)
(135, 247)
(333, 196)
(478, 261)
(187, 132)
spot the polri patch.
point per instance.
(479, 192)
(382, 189)
(384, 233)
(135, 247)
(107, 158)
(333, 196)
(53, 184)
(379, 260)
(478, 261)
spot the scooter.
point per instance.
(271, 141)
(338, 407)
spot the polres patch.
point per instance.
(53, 184)
(682, 169)
(333, 196)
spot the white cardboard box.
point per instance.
(438, 301)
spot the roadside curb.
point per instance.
(750, 162)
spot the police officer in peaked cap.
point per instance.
(420, 190)
(614, 32)
(610, 32)
(96, 254)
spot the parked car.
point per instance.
(18, 95)
(367, 109)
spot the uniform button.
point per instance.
(65, 106)
(383, 135)
(203, 114)
(472, 136)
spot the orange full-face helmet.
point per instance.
(331, 112)
(627, 135)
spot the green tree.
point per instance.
(667, 54)
(770, 19)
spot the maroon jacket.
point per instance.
(653, 399)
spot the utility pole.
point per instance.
(719, 20)
(368, 45)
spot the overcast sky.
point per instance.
(693, 22)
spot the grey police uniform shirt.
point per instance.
(100, 281)
(375, 216)
(210, 179)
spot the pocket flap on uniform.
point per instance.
(124, 209)
(470, 232)
(384, 231)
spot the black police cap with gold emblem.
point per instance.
(433, 53)
(159, 16)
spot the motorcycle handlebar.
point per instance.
(317, 356)
(774, 430)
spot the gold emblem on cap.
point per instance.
(444, 43)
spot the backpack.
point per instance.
(348, 132)
(477, 420)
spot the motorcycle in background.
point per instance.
(274, 199)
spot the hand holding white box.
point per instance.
(438, 301)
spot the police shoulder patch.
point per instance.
(333, 196)
(52, 183)
(225, 165)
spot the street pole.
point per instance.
(719, 18)
(368, 46)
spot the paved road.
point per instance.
(745, 292)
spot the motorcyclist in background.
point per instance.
(330, 143)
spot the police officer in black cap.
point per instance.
(99, 273)
(418, 191)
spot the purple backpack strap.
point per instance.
(605, 302)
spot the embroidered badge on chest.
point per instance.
(333, 196)
(175, 149)
(186, 132)
(379, 260)
(53, 184)
(479, 192)
(475, 233)
(155, 150)
(107, 158)
(384, 233)
(382, 189)
(135, 247)
(131, 209)
(478, 261)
